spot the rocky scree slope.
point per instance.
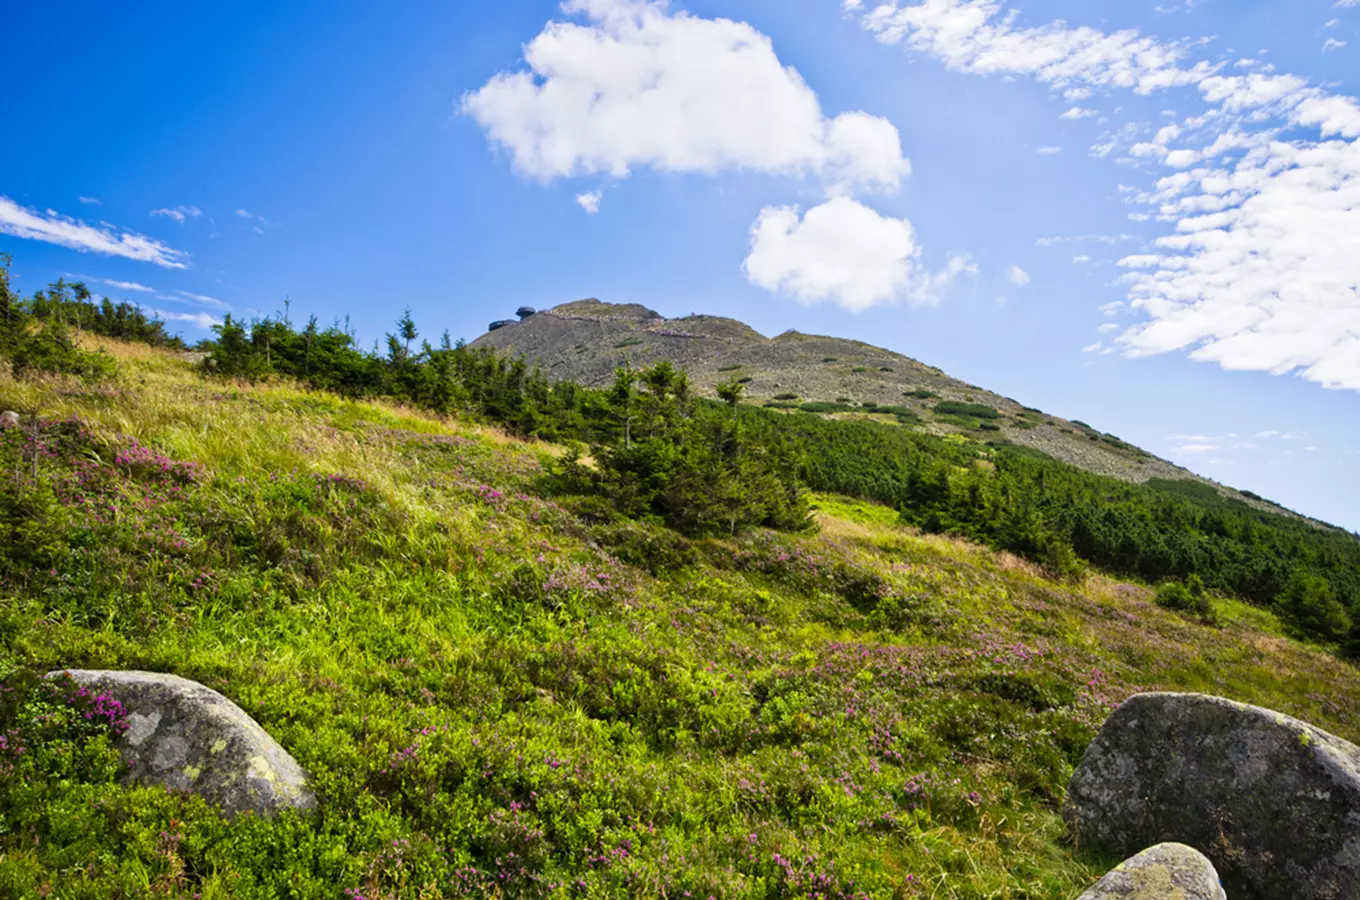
(584, 341)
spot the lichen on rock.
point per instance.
(1163, 872)
(188, 737)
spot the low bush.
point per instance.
(1188, 596)
(966, 410)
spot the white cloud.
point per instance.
(1049, 151)
(1018, 276)
(590, 201)
(1081, 260)
(202, 299)
(1260, 266)
(1332, 44)
(128, 286)
(636, 85)
(1078, 112)
(845, 252)
(1190, 449)
(54, 228)
(91, 200)
(971, 36)
(179, 213)
(198, 320)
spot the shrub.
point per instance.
(1310, 605)
(828, 359)
(921, 394)
(968, 410)
(729, 368)
(1187, 596)
(859, 370)
(885, 368)
(823, 407)
(989, 426)
(786, 396)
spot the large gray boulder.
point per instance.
(190, 738)
(1163, 872)
(9, 419)
(1274, 802)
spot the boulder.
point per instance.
(1163, 872)
(9, 419)
(188, 737)
(501, 323)
(1272, 801)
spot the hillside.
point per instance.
(584, 341)
(499, 695)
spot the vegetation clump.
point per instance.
(966, 410)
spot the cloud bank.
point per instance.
(1260, 191)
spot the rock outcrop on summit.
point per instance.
(188, 737)
(1163, 872)
(1271, 800)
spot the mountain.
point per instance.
(585, 340)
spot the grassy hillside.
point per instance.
(497, 697)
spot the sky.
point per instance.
(1143, 215)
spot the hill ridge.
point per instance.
(585, 340)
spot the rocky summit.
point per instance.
(586, 340)
(1273, 801)
(187, 737)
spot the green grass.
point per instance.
(495, 697)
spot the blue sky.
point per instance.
(1145, 215)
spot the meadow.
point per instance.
(496, 695)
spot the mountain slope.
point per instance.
(585, 340)
(497, 697)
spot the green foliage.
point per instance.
(1063, 517)
(683, 462)
(732, 368)
(817, 406)
(1187, 596)
(966, 410)
(1310, 605)
(921, 394)
(35, 336)
(786, 396)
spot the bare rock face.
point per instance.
(1272, 801)
(190, 738)
(9, 419)
(1163, 872)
